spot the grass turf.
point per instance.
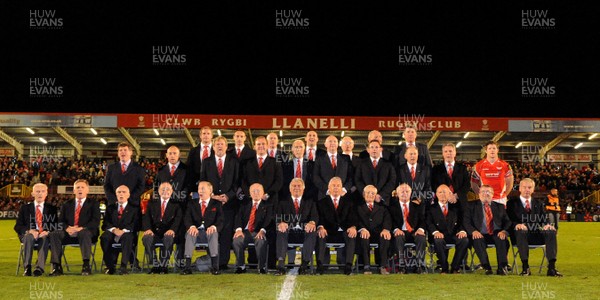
(578, 260)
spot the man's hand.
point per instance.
(260, 235)
(520, 227)
(322, 232)
(365, 234)
(386, 234)
(238, 233)
(398, 233)
(438, 235)
(351, 232)
(310, 227)
(210, 230)
(502, 235)
(461, 234)
(282, 227)
(148, 232)
(477, 235)
(170, 232)
(420, 231)
(193, 231)
(118, 232)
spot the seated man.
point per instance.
(79, 221)
(486, 222)
(296, 221)
(204, 220)
(119, 223)
(530, 226)
(408, 226)
(36, 220)
(160, 222)
(445, 228)
(253, 220)
(337, 224)
(374, 225)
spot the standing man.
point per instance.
(119, 227)
(453, 174)
(410, 140)
(296, 166)
(198, 154)
(243, 154)
(161, 224)
(253, 220)
(221, 170)
(530, 226)
(263, 169)
(553, 208)
(377, 172)
(417, 176)
(486, 222)
(273, 148)
(330, 165)
(312, 152)
(494, 172)
(34, 223)
(204, 220)
(79, 222)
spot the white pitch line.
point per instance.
(287, 288)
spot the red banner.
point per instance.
(422, 123)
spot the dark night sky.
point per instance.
(348, 52)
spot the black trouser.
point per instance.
(165, 252)
(344, 255)
(226, 237)
(460, 249)
(110, 253)
(528, 237)
(480, 246)
(365, 247)
(58, 238)
(308, 241)
(404, 259)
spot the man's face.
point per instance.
(375, 135)
(204, 191)
(298, 149)
(206, 136)
(165, 190)
(404, 192)
(273, 140)
(410, 135)
(331, 143)
(374, 150)
(335, 188)
(486, 194)
(369, 193)
(122, 194)
(554, 192)
(526, 189)
(81, 190)
(443, 193)
(239, 137)
(411, 155)
(347, 144)
(173, 155)
(220, 147)
(260, 146)
(449, 153)
(491, 151)
(311, 138)
(256, 192)
(39, 193)
(296, 188)
(124, 153)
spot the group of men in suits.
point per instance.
(230, 197)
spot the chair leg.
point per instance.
(65, 258)
(20, 259)
(543, 259)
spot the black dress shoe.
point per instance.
(215, 271)
(86, 270)
(502, 271)
(163, 270)
(554, 273)
(525, 272)
(154, 270)
(186, 271)
(109, 271)
(56, 271)
(281, 271)
(320, 270)
(123, 271)
(27, 271)
(490, 272)
(262, 271)
(38, 272)
(239, 270)
(223, 267)
(348, 269)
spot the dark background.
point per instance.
(348, 56)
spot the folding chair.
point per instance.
(334, 248)
(92, 258)
(120, 246)
(515, 265)
(146, 263)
